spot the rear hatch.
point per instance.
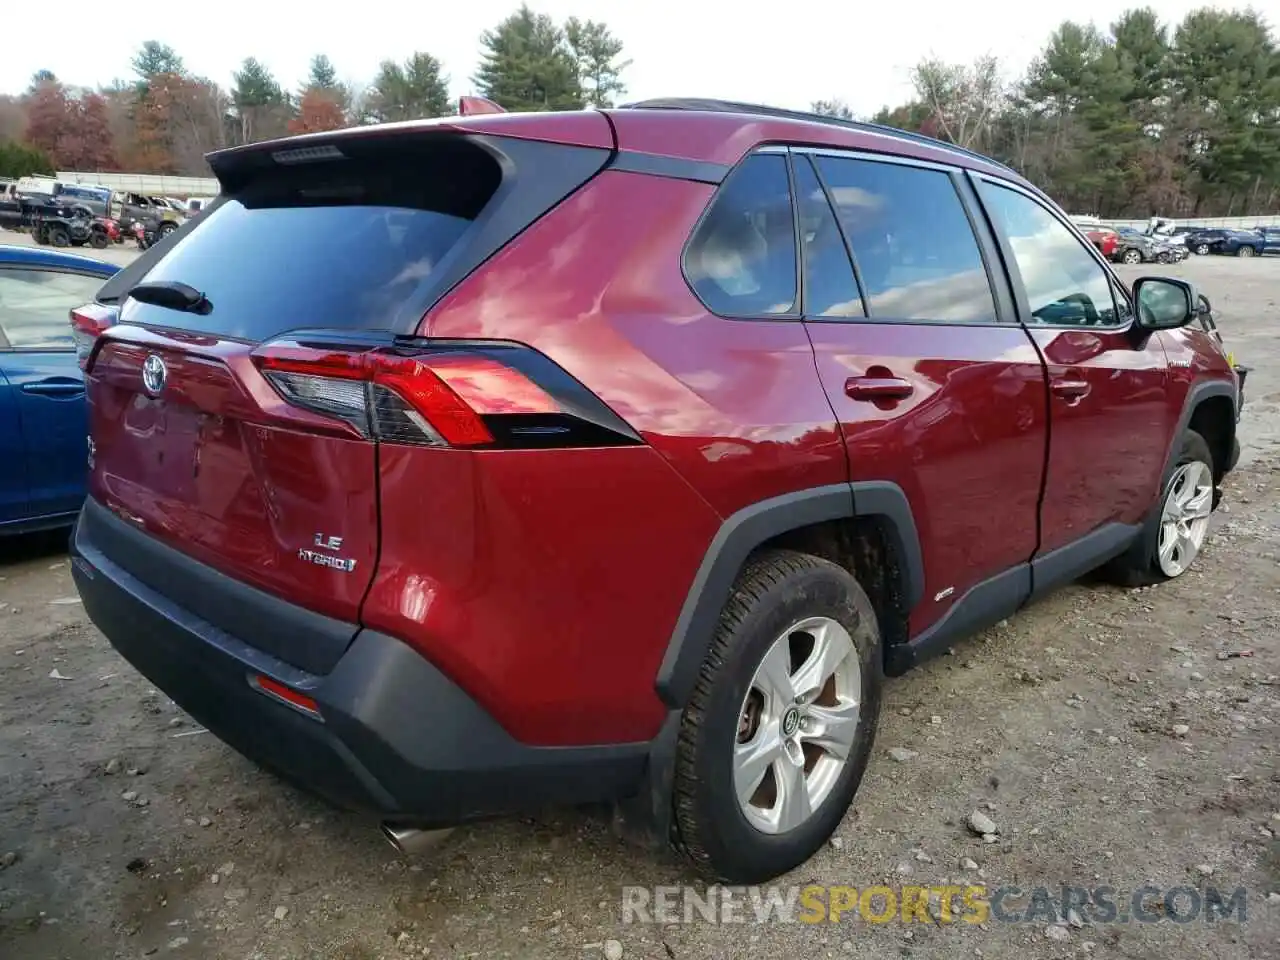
(207, 434)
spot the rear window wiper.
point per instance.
(172, 295)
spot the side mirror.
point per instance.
(1166, 304)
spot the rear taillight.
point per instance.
(87, 324)
(456, 394)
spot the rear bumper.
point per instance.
(395, 738)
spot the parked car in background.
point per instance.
(1270, 239)
(1104, 238)
(43, 430)
(418, 480)
(1133, 247)
(1234, 243)
(136, 207)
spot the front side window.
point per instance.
(35, 306)
(917, 256)
(1065, 285)
(741, 260)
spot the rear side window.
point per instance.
(339, 244)
(741, 260)
(917, 256)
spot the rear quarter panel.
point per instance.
(560, 574)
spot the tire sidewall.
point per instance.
(824, 590)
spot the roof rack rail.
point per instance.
(731, 106)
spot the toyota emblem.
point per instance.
(154, 374)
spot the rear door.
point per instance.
(45, 383)
(936, 386)
(13, 475)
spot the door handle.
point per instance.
(54, 388)
(878, 388)
(1071, 389)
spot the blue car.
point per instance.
(43, 422)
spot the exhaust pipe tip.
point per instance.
(411, 840)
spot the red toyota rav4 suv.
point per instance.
(456, 468)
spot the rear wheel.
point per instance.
(165, 229)
(777, 734)
(1178, 524)
(1202, 249)
(1245, 252)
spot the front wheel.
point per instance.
(1132, 257)
(778, 731)
(1202, 249)
(59, 237)
(1178, 525)
(98, 240)
(1245, 252)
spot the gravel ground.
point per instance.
(1101, 731)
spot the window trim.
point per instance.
(792, 315)
(5, 345)
(799, 157)
(1015, 272)
(1002, 301)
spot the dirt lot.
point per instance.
(1100, 730)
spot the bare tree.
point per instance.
(964, 99)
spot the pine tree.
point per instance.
(527, 64)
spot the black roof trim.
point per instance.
(755, 109)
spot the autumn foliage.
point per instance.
(317, 112)
(73, 130)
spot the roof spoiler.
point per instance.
(474, 106)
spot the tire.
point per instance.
(782, 604)
(165, 229)
(59, 237)
(1143, 565)
(1201, 249)
(98, 240)
(1164, 257)
(1131, 257)
(1246, 252)
(41, 235)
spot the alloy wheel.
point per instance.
(1184, 519)
(1132, 256)
(798, 724)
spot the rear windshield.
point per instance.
(344, 244)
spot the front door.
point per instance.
(1109, 421)
(45, 383)
(936, 386)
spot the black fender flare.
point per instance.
(1196, 395)
(744, 531)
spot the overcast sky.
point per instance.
(784, 54)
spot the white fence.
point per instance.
(145, 183)
(1230, 223)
